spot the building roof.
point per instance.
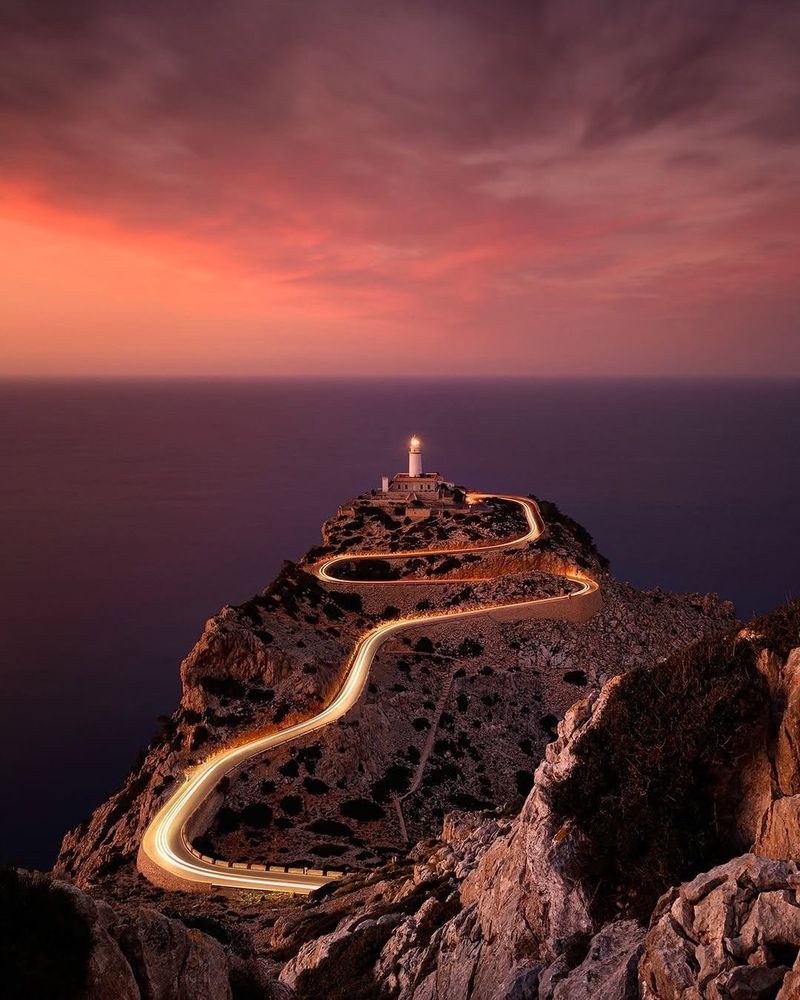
(422, 475)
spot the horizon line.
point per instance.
(399, 377)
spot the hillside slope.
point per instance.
(458, 716)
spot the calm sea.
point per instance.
(132, 510)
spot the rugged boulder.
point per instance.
(639, 789)
(732, 933)
(608, 972)
(770, 812)
(59, 942)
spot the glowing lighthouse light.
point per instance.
(415, 457)
(415, 484)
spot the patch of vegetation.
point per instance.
(315, 786)
(253, 609)
(439, 773)
(348, 602)
(261, 696)
(470, 647)
(199, 736)
(256, 814)
(396, 779)
(227, 820)
(779, 630)
(651, 788)
(292, 805)
(447, 565)
(329, 850)
(524, 780)
(380, 516)
(203, 844)
(310, 756)
(222, 687)
(549, 723)
(329, 828)
(44, 941)
(362, 810)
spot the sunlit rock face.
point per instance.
(535, 899)
(557, 903)
(732, 932)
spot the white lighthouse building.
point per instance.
(415, 458)
(415, 484)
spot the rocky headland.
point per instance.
(530, 809)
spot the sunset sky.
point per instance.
(443, 186)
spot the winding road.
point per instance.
(166, 856)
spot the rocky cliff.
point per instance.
(58, 942)
(454, 717)
(553, 858)
(642, 789)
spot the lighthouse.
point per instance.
(417, 489)
(415, 458)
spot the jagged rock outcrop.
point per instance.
(608, 972)
(396, 918)
(87, 951)
(771, 809)
(508, 908)
(522, 904)
(533, 912)
(732, 933)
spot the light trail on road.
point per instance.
(166, 856)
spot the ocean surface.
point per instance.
(130, 511)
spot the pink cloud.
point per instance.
(581, 184)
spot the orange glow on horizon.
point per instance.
(337, 189)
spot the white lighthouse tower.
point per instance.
(416, 484)
(415, 458)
